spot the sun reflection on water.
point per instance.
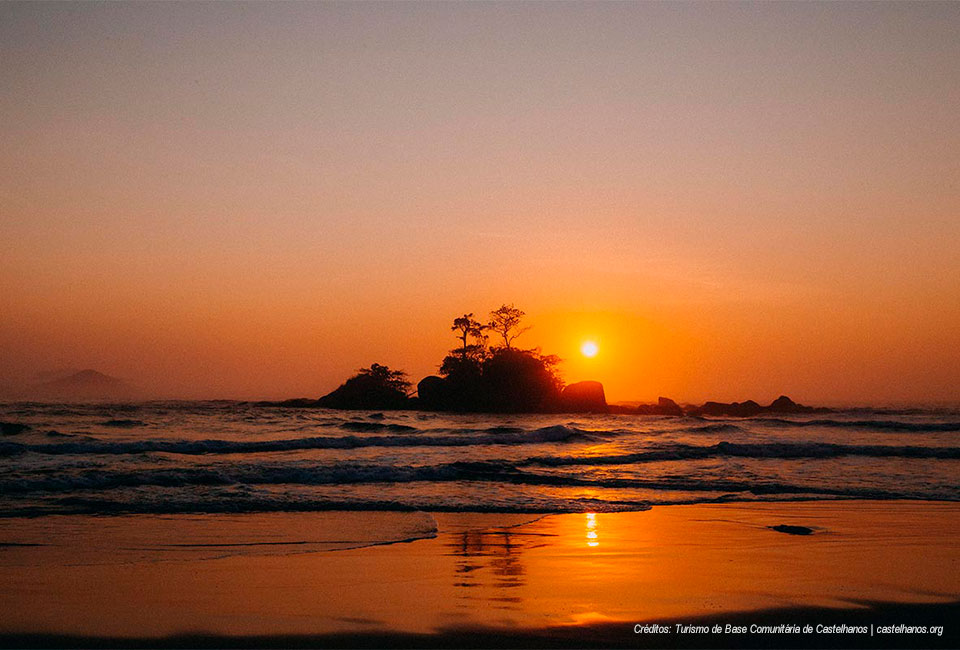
(592, 537)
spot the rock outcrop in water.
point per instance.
(664, 406)
(784, 404)
(583, 397)
(781, 405)
(514, 394)
(519, 392)
(432, 393)
(478, 378)
(735, 409)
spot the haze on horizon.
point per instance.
(252, 200)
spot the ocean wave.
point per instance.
(783, 450)
(237, 504)
(717, 427)
(239, 501)
(866, 425)
(315, 474)
(369, 427)
(295, 473)
(557, 433)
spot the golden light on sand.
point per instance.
(589, 349)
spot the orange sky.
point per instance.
(253, 200)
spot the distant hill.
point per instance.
(85, 385)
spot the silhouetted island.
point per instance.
(477, 377)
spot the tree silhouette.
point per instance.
(473, 377)
(505, 321)
(376, 387)
(468, 327)
(391, 379)
(520, 381)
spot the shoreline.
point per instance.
(829, 631)
(506, 580)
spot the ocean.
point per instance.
(149, 519)
(234, 457)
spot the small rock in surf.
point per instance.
(792, 530)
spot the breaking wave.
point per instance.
(557, 433)
(346, 474)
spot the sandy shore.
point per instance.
(521, 580)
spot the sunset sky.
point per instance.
(246, 200)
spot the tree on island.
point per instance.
(461, 369)
(473, 376)
(468, 327)
(505, 379)
(376, 387)
(502, 378)
(520, 381)
(505, 321)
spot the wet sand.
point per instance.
(521, 580)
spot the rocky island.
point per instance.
(477, 377)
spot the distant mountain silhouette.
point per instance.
(85, 385)
(45, 376)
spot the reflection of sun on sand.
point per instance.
(514, 570)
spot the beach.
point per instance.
(497, 579)
(479, 324)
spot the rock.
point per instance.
(12, 428)
(432, 392)
(583, 397)
(746, 409)
(783, 404)
(791, 530)
(736, 409)
(666, 406)
(712, 408)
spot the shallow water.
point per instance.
(232, 457)
(247, 574)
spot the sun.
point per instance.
(589, 349)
